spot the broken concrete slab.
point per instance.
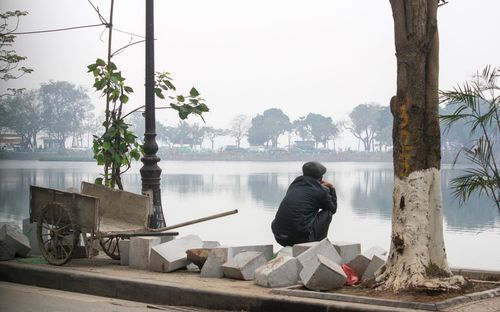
(324, 248)
(199, 255)
(376, 263)
(360, 263)
(347, 250)
(323, 274)
(124, 247)
(139, 251)
(300, 248)
(243, 265)
(166, 238)
(12, 236)
(285, 251)
(210, 244)
(29, 229)
(213, 264)
(375, 250)
(7, 252)
(171, 256)
(282, 271)
(267, 250)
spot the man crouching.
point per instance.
(305, 213)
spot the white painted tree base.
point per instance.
(417, 235)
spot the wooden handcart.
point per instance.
(66, 220)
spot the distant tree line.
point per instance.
(59, 110)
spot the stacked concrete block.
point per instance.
(213, 265)
(324, 248)
(376, 263)
(29, 229)
(171, 256)
(300, 248)
(243, 265)
(322, 274)
(267, 250)
(124, 247)
(12, 238)
(347, 251)
(280, 272)
(139, 251)
(360, 263)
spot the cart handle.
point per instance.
(215, 216)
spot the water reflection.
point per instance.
(268, 189)
(367, 191)
(372, 193)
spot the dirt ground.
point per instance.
(420, 296)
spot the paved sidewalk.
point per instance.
(104, 277)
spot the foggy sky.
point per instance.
(246, 56)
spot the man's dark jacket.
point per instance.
(303, 200)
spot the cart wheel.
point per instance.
(110, 246)
(56, 234)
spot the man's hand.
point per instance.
(326, 183)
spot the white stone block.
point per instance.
(375, 250)
(243, 265)
(282, 271)
(210, 244)
(323, 274)
(12, 236)
(29, 229)
(376, 263)
(324, 248)
(213, 265)
(300, 248)
(139, 251)
(166, 238)
(199, 255)
(347, 251)
(124, 247)
(171, 256)
(267, 250)
(360, 263)
(7, 252)
(285, 251)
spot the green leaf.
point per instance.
(159, 93)
(98, 181)
(92, 67)
(180, 98)
(112, 66)
(128, 89)
(100, 159)
(106, 146)
(203, 107)
(100, 62)
(194, 92)
(123, 98)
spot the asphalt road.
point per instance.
(23, 298)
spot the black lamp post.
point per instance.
(150, 171)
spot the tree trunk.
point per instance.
(417, 251)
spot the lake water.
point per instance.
(194, 189)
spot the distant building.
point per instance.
(10, 138)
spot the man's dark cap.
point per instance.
(313, 169)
